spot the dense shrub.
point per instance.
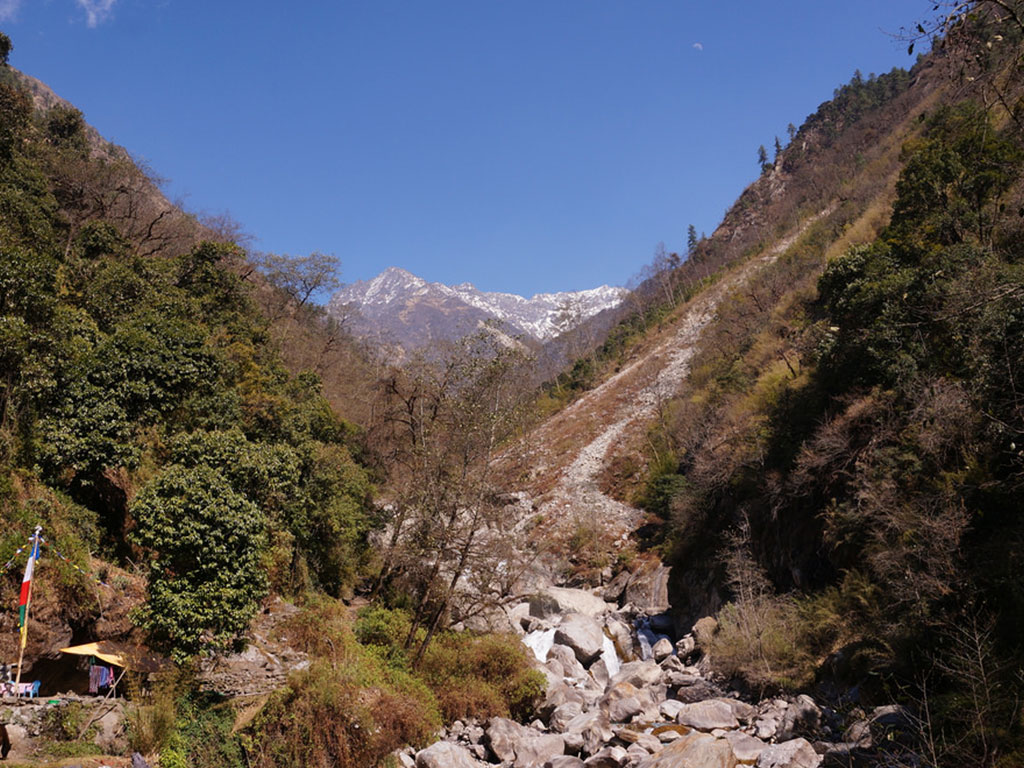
(482, 676)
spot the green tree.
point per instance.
(5, 48)
(205, 576)
(691, 239)
(762, 158)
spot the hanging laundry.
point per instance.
(95, 673)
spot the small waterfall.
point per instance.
(647, 637)
(610, 656)
(540, 641)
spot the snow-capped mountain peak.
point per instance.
(414, 311)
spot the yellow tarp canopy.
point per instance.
(120, 654)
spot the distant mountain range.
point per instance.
(406, 310)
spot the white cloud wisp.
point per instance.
(96, 11)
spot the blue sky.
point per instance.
(521, 145)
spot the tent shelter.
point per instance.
(124, 655)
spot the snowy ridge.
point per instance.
(396, 292)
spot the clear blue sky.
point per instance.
(522, 145)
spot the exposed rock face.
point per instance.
(647, 589)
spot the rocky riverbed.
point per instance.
(622, 692)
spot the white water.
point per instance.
(540, 641)
(610, 656)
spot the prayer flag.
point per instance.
(26, 591)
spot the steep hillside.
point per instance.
(823, 438)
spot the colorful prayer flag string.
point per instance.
(80, 570)
(18, 551)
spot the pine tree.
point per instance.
(691, 239)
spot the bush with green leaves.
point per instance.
(206, 576)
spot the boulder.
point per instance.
(563, 715)
(746, 748)
(694, 750)
(583, 635)
(622, 710)
(573, 743)
(614, 589)
(564, 761)
(557, 695)
(686, 645)
(502, 736)
(647, 589)
(708, 715)
(534, 751)
(608, 757)
(621, 635)
(667, 733)
(566, 657)
(593, 727)
(743, 711)
(704, 630)
(445, 754)
(638, 673)
(802, 718)
(697, 693)
(670, 708)
(796, 753)
(662, 649)
(554, 601)
(599, 674)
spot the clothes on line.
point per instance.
(100, 677)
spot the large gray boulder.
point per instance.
(583, 635)
(638, 673)
(444, 754)
(802, 718)
(746, 748)
(708, 715)
(796, 753)
(593, 727)
(558, 601)
(502, 736)
(662, 649)
(534, 751)
(694, 750)
(563, 715)
(566, 657)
